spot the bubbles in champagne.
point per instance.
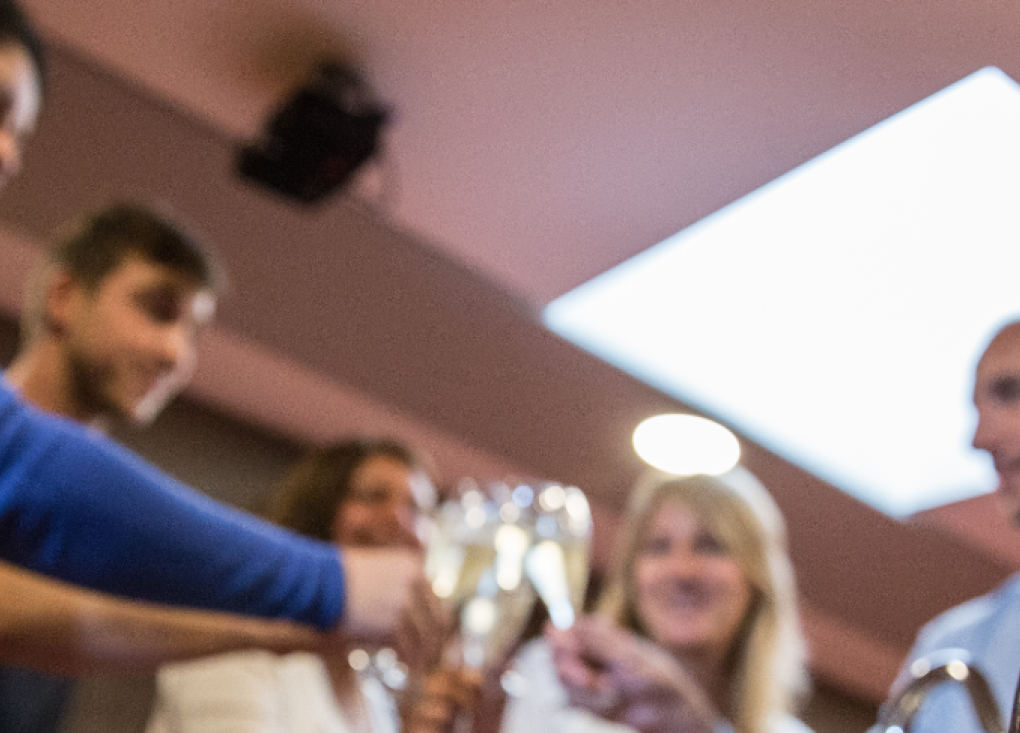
(511, 545)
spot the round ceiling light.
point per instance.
(686, 444)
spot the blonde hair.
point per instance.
(767, 672)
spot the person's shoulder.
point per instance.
(951, 627)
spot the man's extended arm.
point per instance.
(77, 507)
(55, 627)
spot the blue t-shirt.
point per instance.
(76, 506)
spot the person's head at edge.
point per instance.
(22, 85)
(112, 316)
(721, 543)
(362, 492)
(997, 399)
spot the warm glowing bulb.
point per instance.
(686, 445)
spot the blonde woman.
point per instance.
(697, 630)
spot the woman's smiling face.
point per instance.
(692, 595)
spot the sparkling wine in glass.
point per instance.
(557, 562)
(496, 612)
(460, 546)
(475, 560)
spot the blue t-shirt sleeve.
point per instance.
(78, 507)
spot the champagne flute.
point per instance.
(557, 563)
(475, 561)
(460, 547)
(495, 613)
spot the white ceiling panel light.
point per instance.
(835, 314)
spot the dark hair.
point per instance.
(96, 246)
(16, 27)
(308, 498)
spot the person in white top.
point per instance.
(357, 493)
(697, 629)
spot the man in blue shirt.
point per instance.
(76, 507)
(109, 336)
(988, 628)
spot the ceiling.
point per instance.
(533, 145)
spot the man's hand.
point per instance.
(378, 586)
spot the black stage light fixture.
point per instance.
(318, 138)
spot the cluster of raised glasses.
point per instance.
(495, 548)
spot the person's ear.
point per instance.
(61, 297)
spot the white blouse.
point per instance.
(259, 692)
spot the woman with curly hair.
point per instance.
(356, 493)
